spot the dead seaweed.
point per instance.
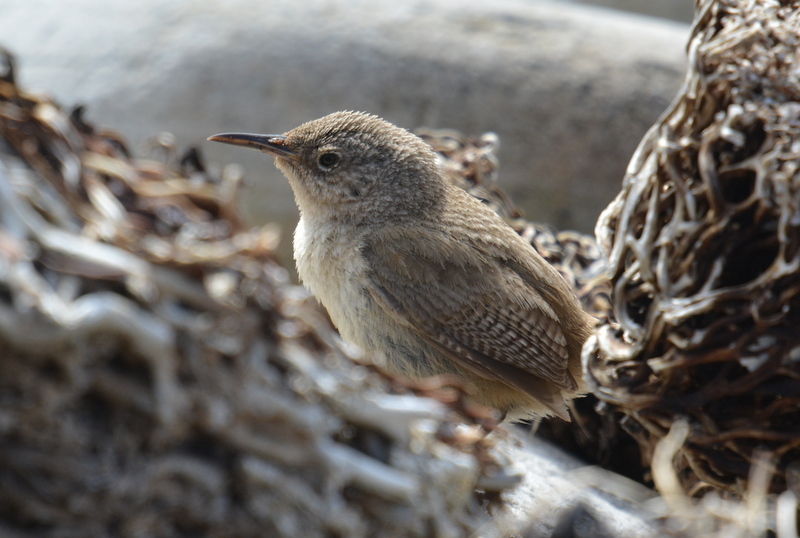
(160, 376)
(703, 247)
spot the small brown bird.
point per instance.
(422, 274)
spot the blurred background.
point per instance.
(570, 88)
(677, 10)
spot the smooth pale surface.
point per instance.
(569, 89)
(677, 10)
(553, 484)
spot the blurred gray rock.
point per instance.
(678, 10)
(569, 89)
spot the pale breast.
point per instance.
(331, 268)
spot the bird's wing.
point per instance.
(478, 311)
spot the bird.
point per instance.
(420, 274)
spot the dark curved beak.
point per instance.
(274, 145)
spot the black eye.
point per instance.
(328, 160)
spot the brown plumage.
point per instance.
(422, 274)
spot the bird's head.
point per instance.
(352, 166)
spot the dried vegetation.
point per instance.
(703, 244)
(159, 375)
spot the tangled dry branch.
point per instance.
(703, 245)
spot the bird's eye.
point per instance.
(328, 160)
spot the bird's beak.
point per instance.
(274, 145)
